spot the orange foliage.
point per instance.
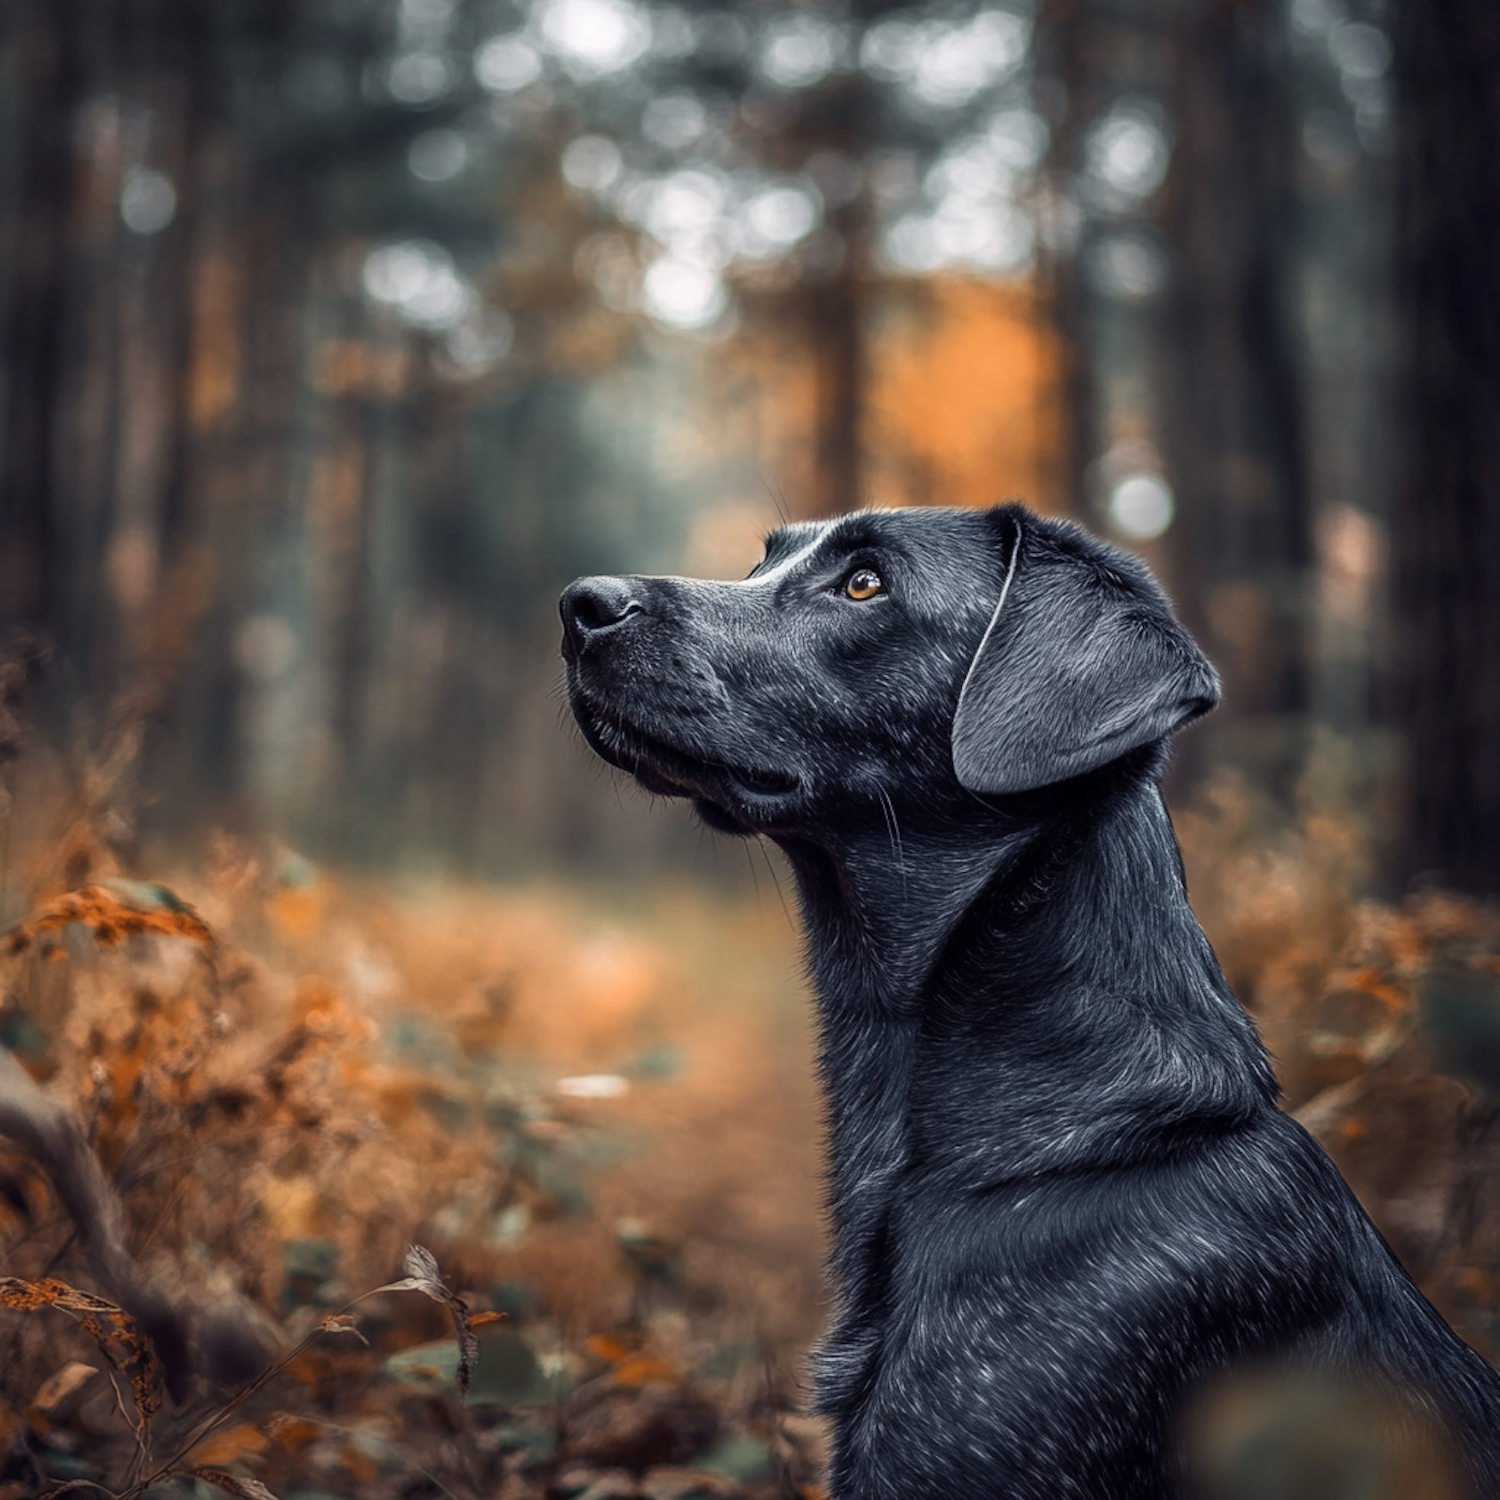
(962, 405)
(965, 402)
(114, 911)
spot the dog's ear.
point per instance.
(1082, 662)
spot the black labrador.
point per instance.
(1062, 1193)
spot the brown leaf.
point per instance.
(1371, 982)
(221, 1447)
(645, 1369)
(485, 1319)
(233, 1484)
(633, 1364)
(114, 910)
(608, 1346)
(24, 1295)
(59, 1385)
(291, 1432)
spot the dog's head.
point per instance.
(912, 656)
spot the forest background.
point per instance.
(336, 336)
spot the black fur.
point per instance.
(1062, 1193)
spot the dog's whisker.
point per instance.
(754, 877)
(893, 831)
(778, 500)
(775, 879)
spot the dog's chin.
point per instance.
(729, 798)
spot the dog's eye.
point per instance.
(863, 583)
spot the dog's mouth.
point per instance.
(662, 766)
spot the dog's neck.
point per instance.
(1012, 999)
(880, 903)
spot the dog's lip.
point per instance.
(622, 742)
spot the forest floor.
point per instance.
(594, 1112)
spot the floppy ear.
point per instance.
(1077, 668)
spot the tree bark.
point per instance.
(1446, 526)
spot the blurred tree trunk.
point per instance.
(835, 326)
(190, 712)
(33, 336)
(1066, 41)
(1231, 404)
(831, 303)
(1446, 527)
(188, 63)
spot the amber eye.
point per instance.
(863, 583)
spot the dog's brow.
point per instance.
(785, 547)
(785, 540)
(853, 534)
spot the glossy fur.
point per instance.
(1061, 1190)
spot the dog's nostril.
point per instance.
(595, 604)
(590, 613)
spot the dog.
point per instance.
(1062, 1195)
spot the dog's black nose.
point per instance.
(593, 605)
